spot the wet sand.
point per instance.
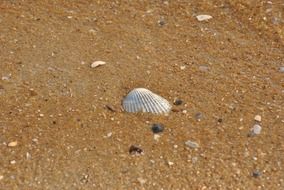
(226, 70)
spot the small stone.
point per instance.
(191, 144)
(28, 156)
(220, 120)
(157, 128)
(162, 22)
(281, 69)
(32, 92)
(13, 162)
(178, 102)
(41, 115)
(182, 67)
(97, 63)
(256, 129)
(135, 150)
(108, 135)
(156, 137)
(1, 177)
(13, 144)
(203, 68)
(198, 116)
(203, 17)
(256, 173)
(170, 163)
(110, 108)
(257, 118)
(194, 159)
(141, 180)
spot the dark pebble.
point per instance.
(157, 128)
(134, 150)
(198, 116)
(162, 22)
(110, 108)
(178, 102)
(220, 120)
(256, 173)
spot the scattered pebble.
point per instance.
(182, 67)
(198, 116)
(1, 177)
(156, 137)
(257, 118)
(135, 150)
(28, 156)
(157, 128)
(256, 173)
(220, 120)
(194, 159)
(191, 144)
(13, 144)
(32, 92)
(256, 129)
(178, 102)
(203, 68)
(162, 22)
(203, 17)
(13, 162)
(141, 180)
(108, 135)
(170, 163)
(281, 69)
(110, 107)
(97, 63)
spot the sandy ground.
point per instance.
(55, 129)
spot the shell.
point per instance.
(143, 100)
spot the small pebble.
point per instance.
(182, 67)
(194, 159)
(191, 144)
(203, 17)
(170, 163)
(157, 128)
(178, 102)
(13, 162)
(198, 116)
(97, 63)
(110, 108)
(203, 68)
(220, 120)
(256, 173)
(281, 69)
(257, 118)
(13, 144)
(162, 22)
(156, 137)
(256, 129)
(1, 177)
(141, 180)
(135, 150)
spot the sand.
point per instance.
(54, 107)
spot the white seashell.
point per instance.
(143, 100)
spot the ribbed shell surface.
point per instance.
(143, 100)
